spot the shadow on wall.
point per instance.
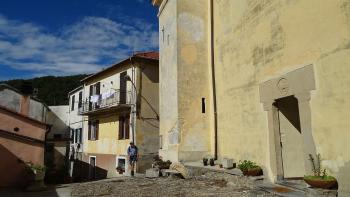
(56, 163)
(13, 170)
(82, 172)
(288, 106)
(344, 180)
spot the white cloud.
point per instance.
(83, 47)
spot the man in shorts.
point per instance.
(133, 156)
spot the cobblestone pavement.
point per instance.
(210, 184)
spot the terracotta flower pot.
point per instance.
(319, 183)
(253, 172)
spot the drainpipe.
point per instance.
(213, 79)
(133, 111)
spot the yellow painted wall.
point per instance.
(259, 40)
(108, 142)
(146, 80)
(147, 136)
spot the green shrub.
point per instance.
(246, 165)
(319, 172)
(36, 168)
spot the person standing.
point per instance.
(133, 156)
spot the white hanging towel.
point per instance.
(104, 95)
(94, 98)
(107, 94)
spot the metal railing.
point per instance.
(114, 99)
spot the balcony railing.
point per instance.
(110, 100)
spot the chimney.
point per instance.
(25, 103)
(27, 90)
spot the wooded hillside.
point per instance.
(51, 90)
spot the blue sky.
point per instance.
(67, 37)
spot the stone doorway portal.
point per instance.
(291, 141)
(286, 99)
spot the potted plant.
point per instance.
(250, 168)
(320, 179)
(38, 170)
(205, 161)
(120, 170)
(211, 162)
(39, 175)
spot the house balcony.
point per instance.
(106, 102)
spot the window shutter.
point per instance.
(97, 126)
(89, 130)
(80, 99)
(98, 88)
(121, 125)
(127, 127)
(73, 103)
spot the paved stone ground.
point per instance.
(52, 191)
(209, 184)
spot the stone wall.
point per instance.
(256, 41)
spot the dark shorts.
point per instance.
(133, 159)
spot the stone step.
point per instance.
(167, 172)
(281, 190)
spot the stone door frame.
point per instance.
(298, 83)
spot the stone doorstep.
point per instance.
(290, 190)
(280, 190)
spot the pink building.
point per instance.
(22, 135)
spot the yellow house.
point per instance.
(264, 80)
(120, 105)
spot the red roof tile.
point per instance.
(149, 54)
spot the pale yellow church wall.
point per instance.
(184, 80)
(168, 95)
(259, 40)
(193, 78)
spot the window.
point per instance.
(77, 135)
(122, 93)
(80, 99)
(94, 90)
(203, 105)
(72, 104)
(93, 130)
(124, 125)
(80, 136)
(121, 165)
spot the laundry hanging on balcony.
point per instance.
(94, 98)
(108, 94)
